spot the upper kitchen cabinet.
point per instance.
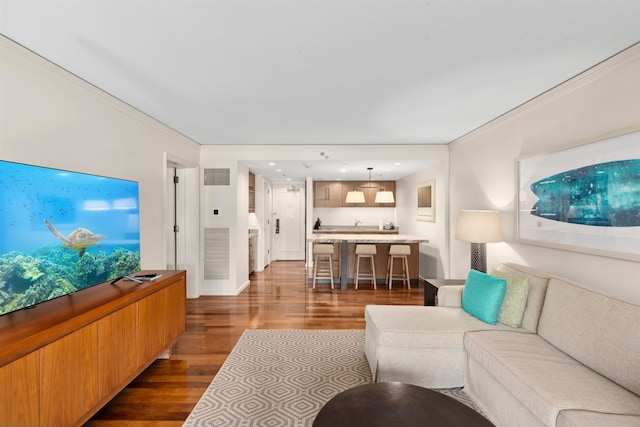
(252, 192)
(369, 189)
(327, 194)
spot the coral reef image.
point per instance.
(51, 272)
(604, 194)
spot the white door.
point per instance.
(288, 222)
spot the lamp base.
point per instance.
(479, 257)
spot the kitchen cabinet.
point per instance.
(332, 194)
(327, 194)
(369, 189)
(253, 240)
(252, 192)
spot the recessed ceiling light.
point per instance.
(272, 164)
(278, 170)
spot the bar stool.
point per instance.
(402, 253)
(322, 252)
(366, 251)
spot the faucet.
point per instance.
(358, 222)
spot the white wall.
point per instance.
(348, 216)
(52, 118)
(232, 203)
(602, 100)
(434, 256)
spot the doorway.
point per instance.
(171, 218)
(181, 223)
(289, 219)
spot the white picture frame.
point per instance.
(574, 209)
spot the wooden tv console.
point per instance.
(63, 360)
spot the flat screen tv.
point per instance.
(63, 231)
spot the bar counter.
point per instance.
(345, 247)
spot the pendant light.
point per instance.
(355, 197)
(381, 196)
(385, 197)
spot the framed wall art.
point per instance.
(426, 195)
(585, 198)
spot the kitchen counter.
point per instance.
(347, 242)
(350, 229)
(367, 238)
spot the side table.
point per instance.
(431, 287)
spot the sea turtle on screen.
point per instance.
(79, 239)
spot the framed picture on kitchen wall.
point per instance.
(426, 194)
(585, 198)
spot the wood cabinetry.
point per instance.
(327, 194)
(369, 189)
(19, 396)
(61, 361)
(253, 240)
(252, 192)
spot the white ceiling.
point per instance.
(323, 72)
(383, 169)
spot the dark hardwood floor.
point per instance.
(278, 298)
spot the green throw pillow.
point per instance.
(482, 296)
(515, 300)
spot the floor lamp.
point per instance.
(479, 228)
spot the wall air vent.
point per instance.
(216, 253)
(216, 177)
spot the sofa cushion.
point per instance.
(538, 282)
(597, 330)
(421, 326)
(483, 295)
(545, 379)
(596, 419)
(515, 299)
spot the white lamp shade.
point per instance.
(384, 197)
(479, 226)
(355, 197)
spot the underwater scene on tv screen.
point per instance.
(63, 231)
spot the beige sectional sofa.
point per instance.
(574, 361)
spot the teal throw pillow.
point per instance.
(483, 295)
(515, 300)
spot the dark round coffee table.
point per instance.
(396, 404)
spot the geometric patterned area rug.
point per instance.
(284, 377)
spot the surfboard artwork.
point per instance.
(603, 195)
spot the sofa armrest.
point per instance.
(450, 296)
